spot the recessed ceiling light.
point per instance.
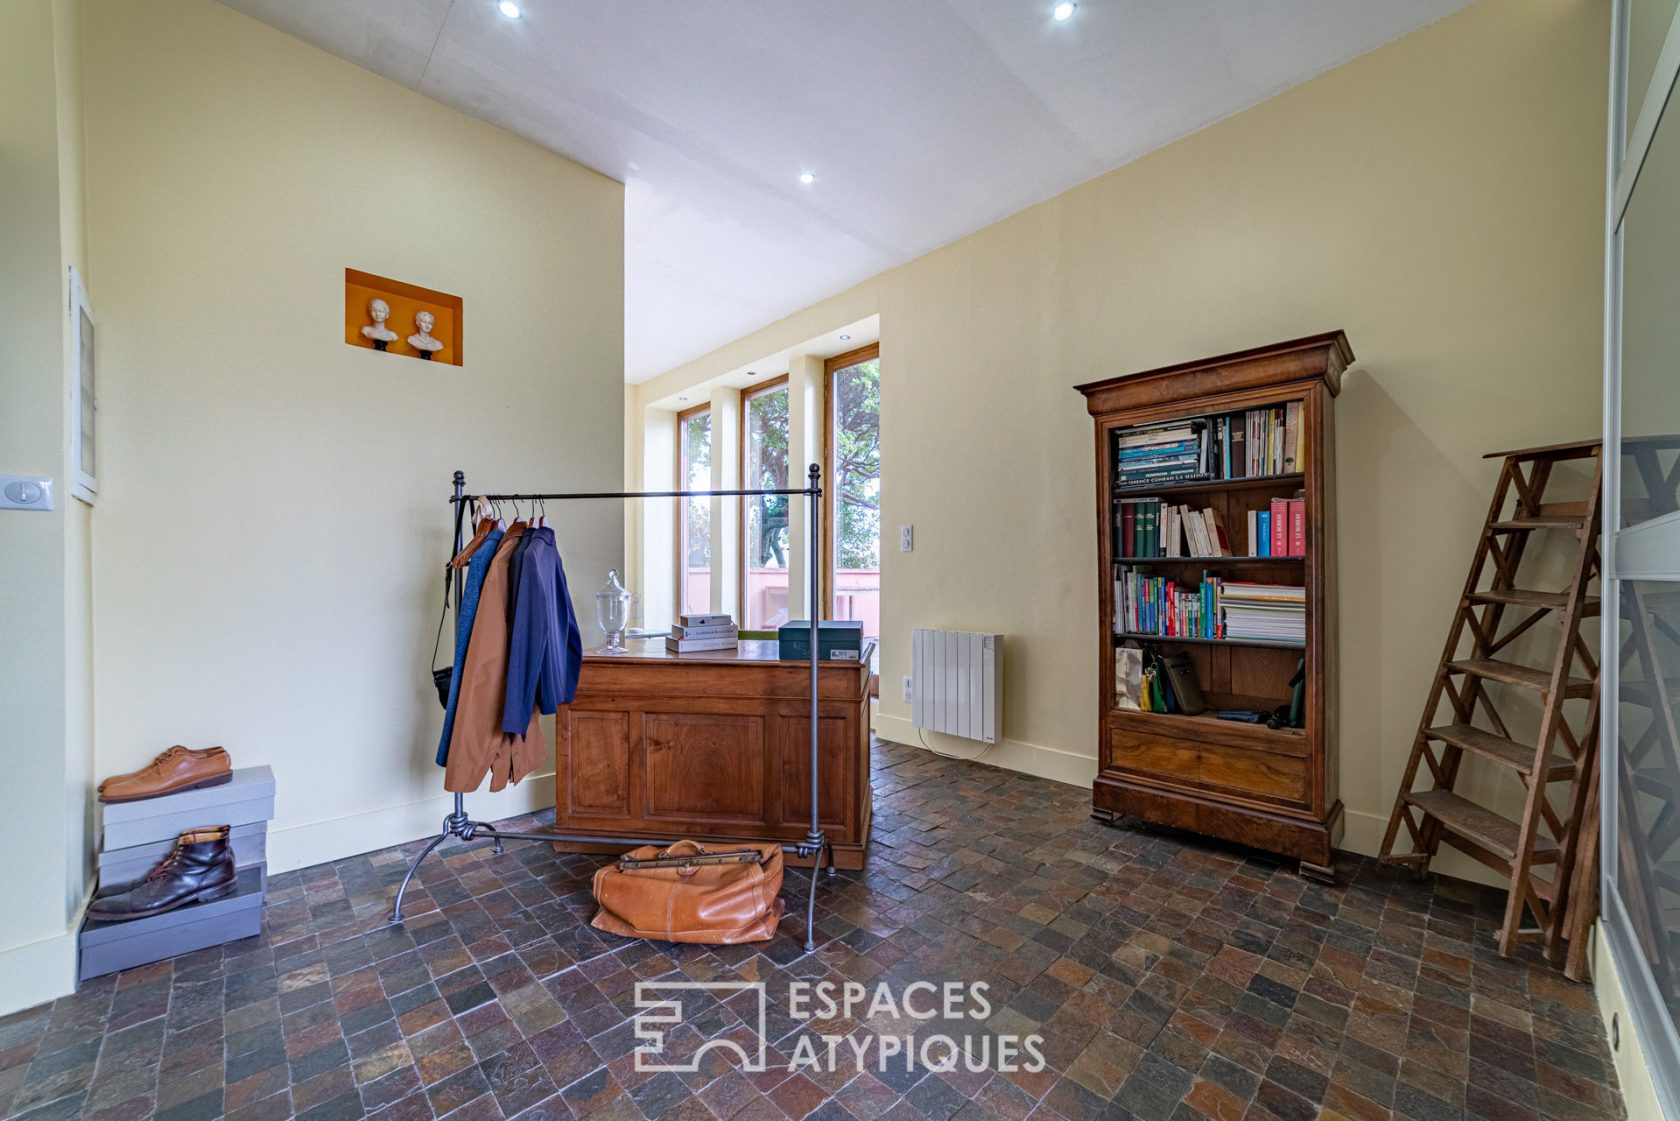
(1063, 11)
(807, 178)
(511, 10)
(845, 338)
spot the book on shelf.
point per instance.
(706, 620)
(1280, 530)
(1174, 451)
(1249, 444)
(1267, 612)
(1149, 527)
(1145, 604)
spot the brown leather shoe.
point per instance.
(176, 769)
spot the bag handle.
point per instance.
(695, 846)
(437, 644)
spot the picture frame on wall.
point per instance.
(84, 398)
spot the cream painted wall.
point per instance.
(81, 824)
(1440, 199)
(45, 691)
(272, 522)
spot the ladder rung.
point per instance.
(1509, 753)
(1479, 825)
(1526, 677)
(1524, 525)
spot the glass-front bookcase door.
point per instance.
(1640, 640)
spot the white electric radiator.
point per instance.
(956, 683)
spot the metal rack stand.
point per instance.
(815, 844)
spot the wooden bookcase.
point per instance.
(1272, 789)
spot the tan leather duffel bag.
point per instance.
(719, 896)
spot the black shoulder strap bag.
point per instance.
(442, 677)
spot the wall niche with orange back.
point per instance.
(406, 303)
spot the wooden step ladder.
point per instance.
(1561, 758)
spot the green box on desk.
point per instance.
(837, 640)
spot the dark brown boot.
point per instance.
(199, 868)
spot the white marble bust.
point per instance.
(379, 311)
(422, 339)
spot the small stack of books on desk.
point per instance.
(703, 632)
(1268, 612)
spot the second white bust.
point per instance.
(422, 339)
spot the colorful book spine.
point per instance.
(1264, 548)
(1297, 527)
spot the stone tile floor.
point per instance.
(1170, 980)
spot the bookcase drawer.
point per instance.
(1246, 773)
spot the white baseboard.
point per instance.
(1363, 830)
(36, 972)
(299, 846)
(1028, 758)
(1633, 1072)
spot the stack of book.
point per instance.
(1261, 442)
(1280, 531)
(1155, 454)
(1146, 604)
(1147, 527)
(703, 632)
(1268, 612)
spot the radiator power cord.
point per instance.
(947, 755)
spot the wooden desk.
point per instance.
(714, 747)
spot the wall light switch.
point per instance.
(26, 492)
(906, 538)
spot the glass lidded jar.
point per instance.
(612, 610)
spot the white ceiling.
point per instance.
(923, 120)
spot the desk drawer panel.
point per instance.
(595, 747)
(703, 767)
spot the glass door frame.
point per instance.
(831, 366)
(770, 385)
(1649, 551)
(679, 512)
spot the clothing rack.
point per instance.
(815, 844)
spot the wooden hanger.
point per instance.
(485, 525)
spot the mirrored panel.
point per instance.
(1648, 729)
(1648, 22)
(1650, 406)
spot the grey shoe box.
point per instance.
(121, 866)
(247, 798)
(109, 946)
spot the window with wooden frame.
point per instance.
(764, 518)
(694, 515)
(852, 488)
